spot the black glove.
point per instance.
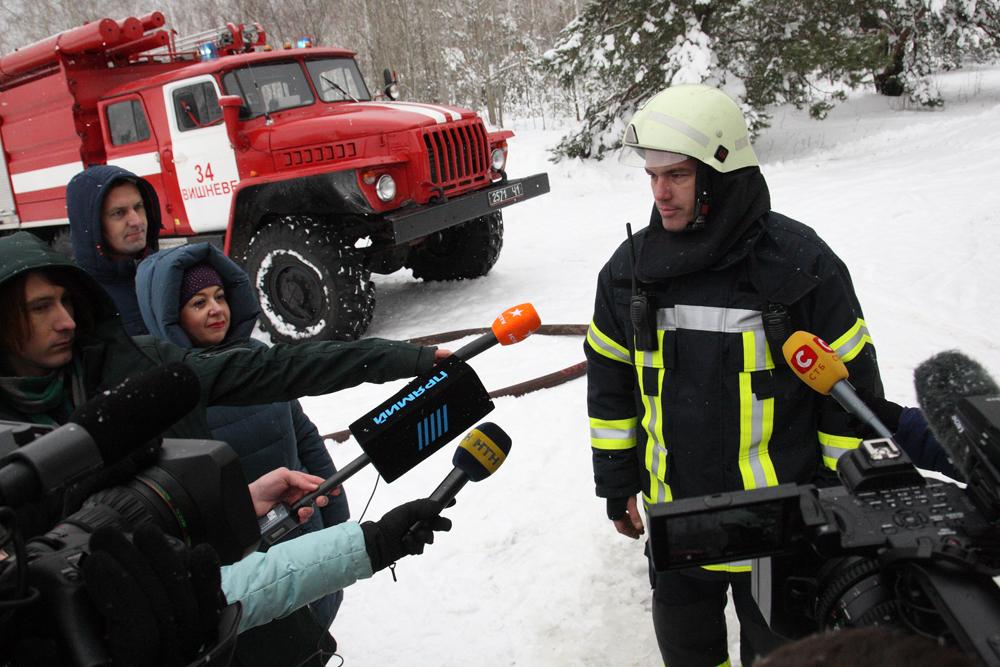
(887, 412)
(617, 508)
(390, 538)
(161, 602)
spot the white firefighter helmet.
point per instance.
(692, 120)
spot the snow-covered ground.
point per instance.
(533, 573)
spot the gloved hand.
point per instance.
(390, 538)
(887, 412)
(161, 605)
(617, 508)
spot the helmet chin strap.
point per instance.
(702, 198)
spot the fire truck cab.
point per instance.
(281, 157)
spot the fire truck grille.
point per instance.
(457, 154)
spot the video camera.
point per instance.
(888, 547)
(193, 490)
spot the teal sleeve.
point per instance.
(294, 573)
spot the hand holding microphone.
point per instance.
(481, 452)
(511, 326)
(390, 538)
(816, 364)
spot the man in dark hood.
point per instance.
(114, 222)
(688, 393)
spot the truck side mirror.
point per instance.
(231, 105)
(391, 89)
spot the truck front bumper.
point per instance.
(409, 224)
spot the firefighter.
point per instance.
(687, 391)
(114, 222)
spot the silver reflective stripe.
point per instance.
(612, 433)
(659, 451)
(833, 452)
(760, 350)
(709, 318)
(854, 341)
(756, 435)
(680, 126)
(655, 447)
(594, 338)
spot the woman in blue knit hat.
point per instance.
(196, 297)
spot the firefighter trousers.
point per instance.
(690, 622)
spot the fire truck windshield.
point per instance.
(337, 79)
(268, 88)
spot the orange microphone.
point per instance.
(816, 364)
(511, 326)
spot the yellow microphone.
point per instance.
(816, 364)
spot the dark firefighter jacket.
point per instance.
(712, 408)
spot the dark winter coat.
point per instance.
(84, 200)
(713, 407)
(264, 436)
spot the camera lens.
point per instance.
(854, 594)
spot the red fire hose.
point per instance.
(519, 389)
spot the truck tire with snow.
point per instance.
(467, 251)
(310, 283)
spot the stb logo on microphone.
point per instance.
(823, 345)
(804, 358)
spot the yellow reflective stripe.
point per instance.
(735, 566)
(756, 418)
(602, 344)
(613, 434)
(851, 343)
(652, 423)
(835, 446)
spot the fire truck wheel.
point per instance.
(468, 250)
(311, 285)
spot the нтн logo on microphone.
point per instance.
(804, 358)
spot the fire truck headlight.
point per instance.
(385, 188)
(497, 159)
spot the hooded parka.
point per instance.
(84, 203)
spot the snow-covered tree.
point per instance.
(618, 53)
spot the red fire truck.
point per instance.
(280, 156)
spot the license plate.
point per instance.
(502, 195)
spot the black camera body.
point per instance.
(889, 547)
(195, 492)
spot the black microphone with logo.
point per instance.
(418, 420)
